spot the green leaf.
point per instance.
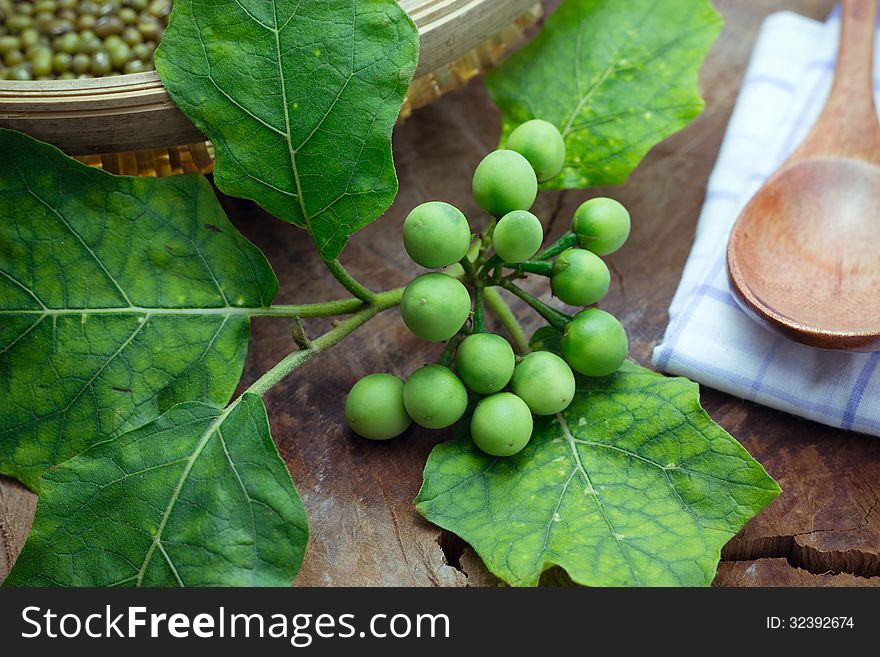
(198, 497)
(299, 99)
(614, 77)
(633, 484)
(119, 297)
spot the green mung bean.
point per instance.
(64, 39)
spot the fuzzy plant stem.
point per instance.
(485, 241)
(555, 318)
(479, 322)
(505, 315)
(323, 309)
(381, 301)
(567, 241)
(490, 264)
(539, 267)
(451, 346)
(467, 265)
(349, 282)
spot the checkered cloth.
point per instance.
(709, 339)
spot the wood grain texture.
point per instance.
(358, 494)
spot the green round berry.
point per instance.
(503, 182)
(579, 278)
(542, 145)
(502, 424)
(435, 306)
(434, 397)
(374, 407)
(544, 382)
(601, 224)
(517, 236)
(485, 362)
(594, 343)
(436, 234)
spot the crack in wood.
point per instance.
(453, 548)
(554, 214)
(616, 272)
(852, 561)
(779, 572)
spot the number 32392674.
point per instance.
(810, 623)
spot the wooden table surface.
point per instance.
(823, 530)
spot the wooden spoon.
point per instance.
(804, 255)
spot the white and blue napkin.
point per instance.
(709, 339)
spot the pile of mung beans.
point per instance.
(67, 39)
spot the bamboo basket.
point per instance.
(128, 125)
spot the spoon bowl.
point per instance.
(813, 266)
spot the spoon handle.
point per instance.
(848, 123)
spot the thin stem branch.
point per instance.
(567, 241)
(494, 261)
(322, 309)
(486, 240)
(479, 324)
(555, 318)
(499, 306)
(467, 265)
(449, 350)
(348, 281)
(539, 267)
(343, 329)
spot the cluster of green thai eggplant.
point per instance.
(479, 370)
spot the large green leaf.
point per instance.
(119, 297)
(614, 77)
(198, 497)
(632, 485)
(299, 98)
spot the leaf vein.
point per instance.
(250, 502)
(580, 466)
(175, 495)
